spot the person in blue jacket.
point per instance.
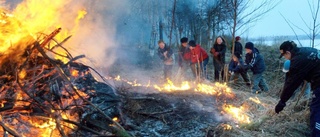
(236, 68)
(304, 65)
(255, 62)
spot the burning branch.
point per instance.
(40, 85)
(9, 130)
(65, 79)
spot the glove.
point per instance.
(216, 54)
(279, 107)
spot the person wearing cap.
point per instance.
(166, 55)
(236, 68)
(304, 86)
(218, 51)
(237, 46)
(254, 61)
(183, 60)
(199, 58)
(304, 65)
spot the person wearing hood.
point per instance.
(198, 57)
(166, 55)
(304, 65)
(254, 61)
(236, 68)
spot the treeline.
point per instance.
(202, 20)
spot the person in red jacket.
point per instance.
(199, 60)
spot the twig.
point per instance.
(9, 130)
(60, 128)
(82, 126)
(156, 113)
(301, 92)
(60, 45)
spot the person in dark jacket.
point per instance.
(198, 57)
(236, 67)
(304, 65)
(237, 46)
(304, 86)
(165, 54)
(218, 51)
(255, 62)
(183, 61)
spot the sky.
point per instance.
(273, 24)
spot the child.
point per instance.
(236, 68)
(255, 62)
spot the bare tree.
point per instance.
(313, 30)
(243, 14)
(172, 21)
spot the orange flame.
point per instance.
(238, 113)
(216, 90)
(256, 100)
(169, 86)
(226, 126)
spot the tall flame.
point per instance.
(33, 18)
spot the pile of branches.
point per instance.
(35, 87)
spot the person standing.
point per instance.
(255, 62)
(199, 58)
(304, 65)
(218, 51)
(183, 60)
(238, 46)
(165, 54)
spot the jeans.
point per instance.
(259, 83)
(203, 66)
(167, 71)
(315, 113)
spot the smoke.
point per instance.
(92, 35)
(96, 34)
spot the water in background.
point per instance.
(304, 43)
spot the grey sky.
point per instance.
(273, 24)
